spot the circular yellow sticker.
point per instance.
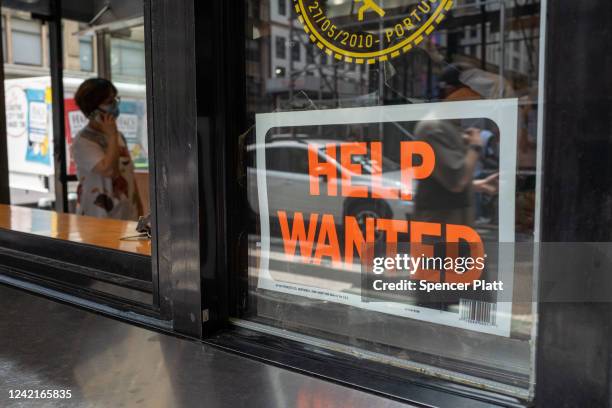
(372, 32)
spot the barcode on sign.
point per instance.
(477, 312)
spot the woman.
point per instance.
(104, 167)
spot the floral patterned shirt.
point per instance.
(100, 196)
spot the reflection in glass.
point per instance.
(111, 46)
(484, 179)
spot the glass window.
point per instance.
(296, 53)
(309, 56)
(86, 54)
(253, 51)
(103, 203)
(27, 42)
(29, 112)
(370, 158)
(281, 49)
(282, 7)
(128, 59)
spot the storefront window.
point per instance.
(412, 137)
(105, 214)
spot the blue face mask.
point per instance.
(112, 108)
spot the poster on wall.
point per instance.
(131, 123)
(74, 121)
(16, 112)
(402, 210)
(29, 140)
(38, 111)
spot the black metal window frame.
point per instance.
(221, 101)
(164, 289)
(221, 44)
(195, 82)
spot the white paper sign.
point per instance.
(270, 198)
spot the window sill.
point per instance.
(350, 371)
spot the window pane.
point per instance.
(333, 165)
(310, 55)
(281, 49)
(27, 47)
(26, 26)
(86, 54)
(296, 52)
(103, 202)
(28, 92)
(128, 57)
(282, 7)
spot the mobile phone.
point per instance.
(96, 115)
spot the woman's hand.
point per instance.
(108, 125)
(108, 166)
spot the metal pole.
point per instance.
(57, 96)
(103, 54)
(483, 37)
(291, 45)
(5, 192)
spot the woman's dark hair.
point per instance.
(92, 93)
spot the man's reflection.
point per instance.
(465, 174)
(448, 196)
